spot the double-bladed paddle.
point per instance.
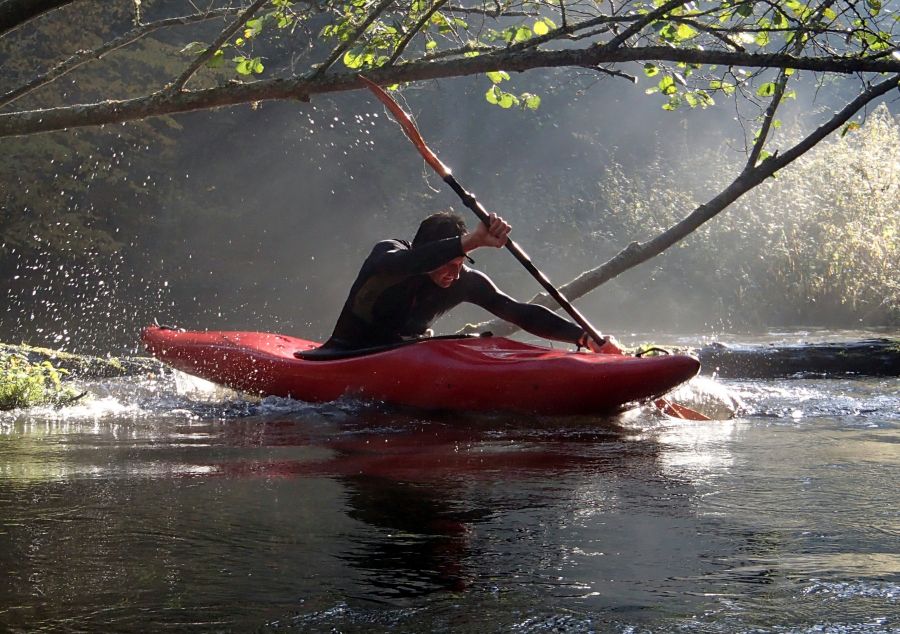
(469, 200)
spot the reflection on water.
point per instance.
(150, 508)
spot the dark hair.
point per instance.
(438, 226)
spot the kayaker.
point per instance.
(403, 287)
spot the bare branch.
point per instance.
(635, 28)
(768, 119)
(242, 19)
(414, 30)
(616, 73)
(719, 34)
(490, 13)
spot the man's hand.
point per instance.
(487, 235)
(609, 345)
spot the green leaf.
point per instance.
(724, 86)
(540, 28)
(667, 85)
(651, 70)
(493, 95)
(193, 48)
(705, 98)
(874, 6)
(253, 28)
(762, 38)
(745, 9)
(850, 127)
(243, 66)
(685, 32)
(508, 101)
(431, 45)
(523, 34)
(353, 59)
(766, 90)
(776, 123)
(217, 60)
(496, 76)
(532, 102)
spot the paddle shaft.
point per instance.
(472, 203)
(413, 134)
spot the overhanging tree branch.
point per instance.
(165, 103)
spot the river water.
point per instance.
(160, 505)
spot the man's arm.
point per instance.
(392, 257)
(537, 320)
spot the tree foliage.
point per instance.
(693, 53)
(819, 244)
(25, 384)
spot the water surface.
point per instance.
(153, 508)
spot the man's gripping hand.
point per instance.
(492, 234)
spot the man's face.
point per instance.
(445, 275)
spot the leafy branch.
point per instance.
(211, 50)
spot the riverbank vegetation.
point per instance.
(819, 244)
(25, 384)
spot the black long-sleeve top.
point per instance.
(393, 298)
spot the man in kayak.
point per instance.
(402, 288)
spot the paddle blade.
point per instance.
(409, 127)
(675, 410)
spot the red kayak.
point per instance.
(470, 373)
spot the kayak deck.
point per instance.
(480, 373)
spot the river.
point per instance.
(160, 505)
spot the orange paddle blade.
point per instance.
(675, 410)
(409, 127)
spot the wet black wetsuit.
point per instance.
(393, 298)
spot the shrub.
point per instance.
(24, 384)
